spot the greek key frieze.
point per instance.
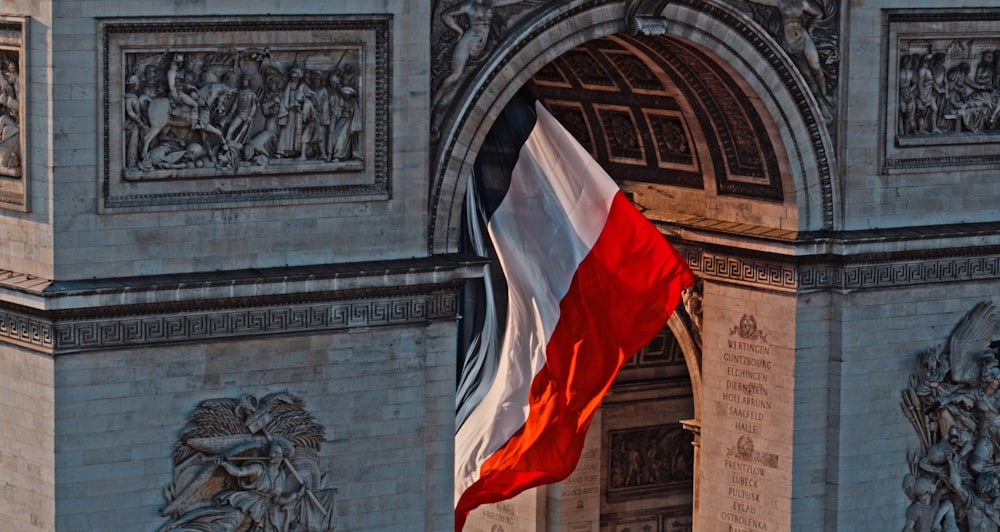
(108, 332)
(26, 330)
(744, 270)
(802, 275)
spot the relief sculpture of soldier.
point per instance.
(10, 124)
(953, 403)
(232, 110)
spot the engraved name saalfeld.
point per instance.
(191, 113)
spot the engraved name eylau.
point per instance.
(747, 399)
(197, 113)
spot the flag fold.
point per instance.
(590, 281)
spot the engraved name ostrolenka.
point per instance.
(198, 113)
(249, 464)
(953, 402)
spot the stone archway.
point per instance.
(740, 48)
(725, 76)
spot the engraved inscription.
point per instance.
(747, 404)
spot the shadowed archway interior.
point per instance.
(670, 124)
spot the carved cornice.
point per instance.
(843, 262)
(113, 328)
(400, 299)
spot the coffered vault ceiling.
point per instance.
(660, 111)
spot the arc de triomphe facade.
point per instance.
(234, 285)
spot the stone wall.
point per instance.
(27, 466)
(382, 397)
(198, 223)
(893, 178)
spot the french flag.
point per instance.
(590, 281)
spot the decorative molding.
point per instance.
(13, 113)
(252, 111)
(742, 154)
(822, 160)
(61, 332)
(862, 272)
(26, 330)
(770, 273)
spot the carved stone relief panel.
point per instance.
(943, 90)
(250, 464)
(214, 111)
(649, 458)
(951, 401)
(13, 106)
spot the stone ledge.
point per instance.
(75, 316)
(48, 295)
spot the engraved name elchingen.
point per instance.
(250, 464)
(190, 113)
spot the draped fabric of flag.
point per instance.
(590, 281)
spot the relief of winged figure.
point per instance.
(474, 28)
(953, 403)
(249, 465)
